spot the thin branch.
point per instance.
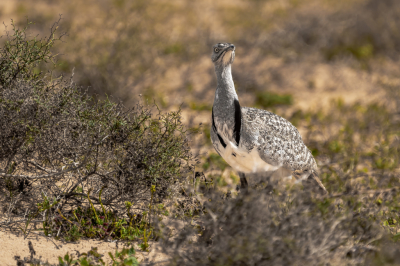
(42, 168)
(21, 220)
(79, 182)
(46, 176)
(69, 195)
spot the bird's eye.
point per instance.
(216, 50)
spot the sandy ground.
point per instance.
(12, 245)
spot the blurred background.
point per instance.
(291, 55)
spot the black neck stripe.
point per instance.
(238, 121)
(215, 130)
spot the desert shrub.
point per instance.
(60, 148)
(363, 30)
(357, 223)
(286, 228)
(289, 226)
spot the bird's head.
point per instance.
(303, 174)
(309, 177)
(223, 54)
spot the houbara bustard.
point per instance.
(252, 140)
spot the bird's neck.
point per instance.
(226, 113)
(225, 86)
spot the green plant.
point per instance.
(126, 257)
(215, 160)
(200, 106)
(145, 244)
(67, 260)
(21, 56)
(269, 99)
(100, 223)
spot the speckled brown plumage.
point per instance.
(278, 142)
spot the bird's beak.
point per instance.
(231, 47)
(229, 55)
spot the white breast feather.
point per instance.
(245, 162)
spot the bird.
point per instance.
(253, 140)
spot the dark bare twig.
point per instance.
(31, 250)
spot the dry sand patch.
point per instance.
(12, 245)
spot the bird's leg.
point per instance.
(243, 181)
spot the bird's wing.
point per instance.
(278, 142)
